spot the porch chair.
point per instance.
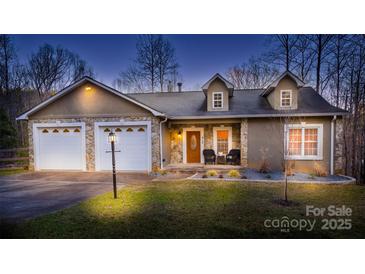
(209, 156)
(233, 157)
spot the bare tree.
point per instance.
(7, 56)
(304, 58)
(154, 66)
(321, 45)
(54, 68)
(251, 75)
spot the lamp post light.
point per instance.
(111, 138)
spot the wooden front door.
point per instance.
(193, 146)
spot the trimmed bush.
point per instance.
(319, 171)
(234, 173)
(211, 173)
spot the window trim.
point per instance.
(215, 139)
(303, 127)
(221, 93)
(281, 98)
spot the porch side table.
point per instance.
(221, 160)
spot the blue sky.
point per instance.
(199, 56)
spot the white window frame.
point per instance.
(215, 139)
(281, 98)
(303, 127)
(217, 92)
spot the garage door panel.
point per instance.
(131, 149)
(60, 149)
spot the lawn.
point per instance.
(199, 209)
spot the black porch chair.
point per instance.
(209, 156)
(233, 157)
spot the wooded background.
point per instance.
(333, 64)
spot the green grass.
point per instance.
(197, 209)
(11, 171)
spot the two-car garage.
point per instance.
(62, 146)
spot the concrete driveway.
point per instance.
(29, 195)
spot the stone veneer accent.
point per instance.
(244, 142)
(90, 141)
(176, 152)
(339, 169)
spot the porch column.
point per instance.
(244, 136)
(339, 169)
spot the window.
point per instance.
(285, 98)
(217, 99)
(222, 141)
(130, 129)
(304, 142)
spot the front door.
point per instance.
(193, 146)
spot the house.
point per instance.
(285, 120)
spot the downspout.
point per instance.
(332, 144)
(161, 154)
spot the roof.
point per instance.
(71, 87)
(274, 84)
(244, 103)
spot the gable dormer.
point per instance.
(282, 94)
(218, 91)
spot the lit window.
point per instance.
(285, 98)
(55, 130)
(66, 130)
(304, 142)
(45, 131)
(118, 130)
(76, 130)
(141, 129)
(130, 129)
(107, 130)
(217, 99)
(222, 141)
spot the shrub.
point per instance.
(319, 171)
(234, 173)
(264, 167)
(243, 177)
(204, 176)
(159, 171)
(220, 176)
(163, 171)
(211, 173)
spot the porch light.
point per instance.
(179, 134)
(88, 88)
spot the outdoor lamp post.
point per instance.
(112, 138)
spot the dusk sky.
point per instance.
(199, 56)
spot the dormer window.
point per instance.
(285, 98)
(217, 100)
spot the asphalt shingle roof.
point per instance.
(243, 103)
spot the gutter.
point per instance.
(161, 154)
(332, 144)
(202, 117)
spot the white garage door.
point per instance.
(59, 148)
(131, 148)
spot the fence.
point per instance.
(14, 157)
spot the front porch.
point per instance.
(187, 140)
